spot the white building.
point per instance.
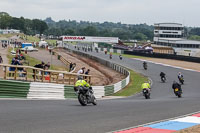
(172, 34)
(7, 31)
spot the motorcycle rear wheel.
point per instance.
(179, 95)
(147, 96)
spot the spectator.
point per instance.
(19, 51)
(47, 65)
(1, 59)
(22, 57)
(87, 72)
(15, 61)
(70, 66)
(41, 66)
(73, 66)
(81, 71)
(105, 51)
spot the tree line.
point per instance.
(48, 26)
(107, 29)
(27, 26)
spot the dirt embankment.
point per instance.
(101, 75)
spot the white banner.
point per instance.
(90, 39)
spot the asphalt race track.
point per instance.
(68, 116)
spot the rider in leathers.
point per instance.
(176, 85)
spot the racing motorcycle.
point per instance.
(177, 92)
(146, 93)
(181, 80)
(145, 66)
(163, 79)
(86, 96)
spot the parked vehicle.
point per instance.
(29, 49)
(86, 96)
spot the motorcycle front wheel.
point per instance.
(82, 99)
(94, 101)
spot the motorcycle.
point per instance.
(86, 96)
(120, 57)
(163, 79)
(146, 93)
(145, 67)
(177, 92)
(181, 80)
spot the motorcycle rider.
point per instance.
(180, 76)
(162, 75)
(176, 85)
(120, 57)
(144, 64)
(82, 83)
(146, 86)
(110, 55)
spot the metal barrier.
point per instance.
(166, 56)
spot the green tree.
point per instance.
(39, 26)
(140, 36)
(90, 31)
(5, 20)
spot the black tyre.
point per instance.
(146, 96)
(179, 95)
(82, 99)
(94, 100)
(163, 80)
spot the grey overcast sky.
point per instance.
(186, 12)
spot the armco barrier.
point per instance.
(37, 90)
(110, 89)
(13, 89)
(69, 92)
(166, 56)
(46, 91)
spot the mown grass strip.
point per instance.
(134, 85)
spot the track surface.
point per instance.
(67, 116)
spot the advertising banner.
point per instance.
(90, 39)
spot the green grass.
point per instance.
(32, 61)
(134, 85)
(51, 42)
(29, 38)
(7, 35)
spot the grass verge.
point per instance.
(32, 61)
(134, 85)
(51, 42)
